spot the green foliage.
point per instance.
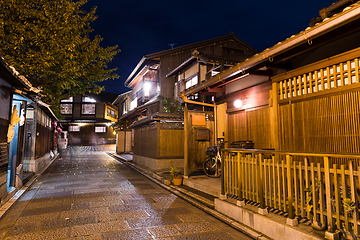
(48, 42)
(171, 105)
(349, 206)
(174, 171)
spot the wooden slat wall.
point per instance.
(328, 124)
(171, 143)
(4, 150)
(44, 142)
(251, 125)
(145, 142)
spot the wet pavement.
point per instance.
(86, 194)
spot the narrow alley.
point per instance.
(86, 194)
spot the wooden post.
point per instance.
(261, 185)
(240, 177)
(215, 124)
(353, 197)
(186, 147)
(222, 176)
(274, 115)
(328, 188)
(290, 196)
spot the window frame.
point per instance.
(87, 104)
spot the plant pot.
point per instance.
(177, 181)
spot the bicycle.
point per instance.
(212, 163)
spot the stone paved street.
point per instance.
(86, 194)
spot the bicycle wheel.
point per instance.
(211, 167)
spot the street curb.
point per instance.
(20, 192)
(189, 197)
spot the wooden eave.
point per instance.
(120, 97)
(144, 63)
(137, 110)
(10, 75)
(156, 117)
(292, 46)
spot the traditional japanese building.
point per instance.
(89, 119)
(26, 135)
(153, 93)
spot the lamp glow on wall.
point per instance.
(238, 103)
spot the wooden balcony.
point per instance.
(328, 76)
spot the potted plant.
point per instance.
(177, 177)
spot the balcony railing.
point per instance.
(314, 186)
(339, 72)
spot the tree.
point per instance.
(48, 41)
(171, 105)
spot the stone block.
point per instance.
(229, 210)
(248, 218)
(332, 236)
(268, 227)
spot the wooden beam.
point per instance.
(186, 148)
(185, 100)
(222, 90)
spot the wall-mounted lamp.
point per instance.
(238, 103)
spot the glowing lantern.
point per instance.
(238, 103)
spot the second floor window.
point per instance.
(111, 113)
(87, 99)
(88, 109)
(191, 81)
(66, 108)
(70, 99)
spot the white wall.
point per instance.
(245, 82)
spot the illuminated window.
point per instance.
(70, 99)
(133, 104)
(87, 99)
(74, 128)
(66, 108)
(88, 109)
(110, 112)
(100, 129)
(213, 73)
(147, 88)
(191, 82)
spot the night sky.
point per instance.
(143, 27)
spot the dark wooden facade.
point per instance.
(159, 141)
(89, 120)
(162, 63)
